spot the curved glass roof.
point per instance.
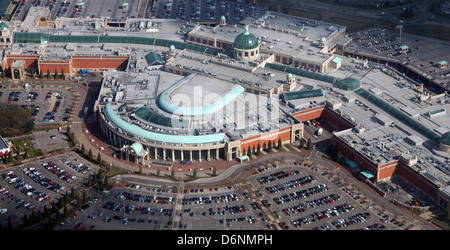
(349, 83)
(399, 115)
(156, 118)
(445, 139)
(194, 111)
(30, 37)
(22, 37)
(299, 72)
(301, 94)
(137, 147)
(153, 136)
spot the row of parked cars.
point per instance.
(127, 208)
(58, 171)
(351, 220)
(209, 199)
(301, 194)
(24, 187)
(14, 96)
(291, 184)
(146, 198)
(318, 216)
(277, 176)
(38, 177)
(230, 209)
(328, 199)
(20, 202)
(79, 167)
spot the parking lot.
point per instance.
(34, 185)
(49, 105)
(206, 10)
(421, 53)
(302, 197)
(290, 196)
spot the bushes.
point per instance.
(14, 121)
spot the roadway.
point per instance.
(381, 15)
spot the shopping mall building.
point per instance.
(179, 91)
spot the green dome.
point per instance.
(349, 83)
(445, 139)
(246, 41)
(3, 26)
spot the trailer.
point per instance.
(320, 131)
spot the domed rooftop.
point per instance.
(445, 139)
(349, 83)
(3, 26)
(246, 41)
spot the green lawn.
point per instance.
(304, 14)
(352, 26)
(429, 30)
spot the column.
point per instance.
(200, 155)
(156, 153)
(208, 156)
(217, 154)
(173, 154)
(164, 154)
(190, 155)
(182, 155)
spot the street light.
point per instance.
(401, 29)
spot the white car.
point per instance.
(3, 210)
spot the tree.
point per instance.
(63, 76)
(99, 159)
(269, 147)
(90, 155)
(249, 152)
(48, 74)
(195, 173)
(26, 222)
(214, 173)
(83, 150)
(106, 181)
(84, 196)
(279, 143)
(309, 144)
(41, 75)
(172, 174)
(338, 156)
(302, 144)
(258, 150)
(56, 74)
(331, 149)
